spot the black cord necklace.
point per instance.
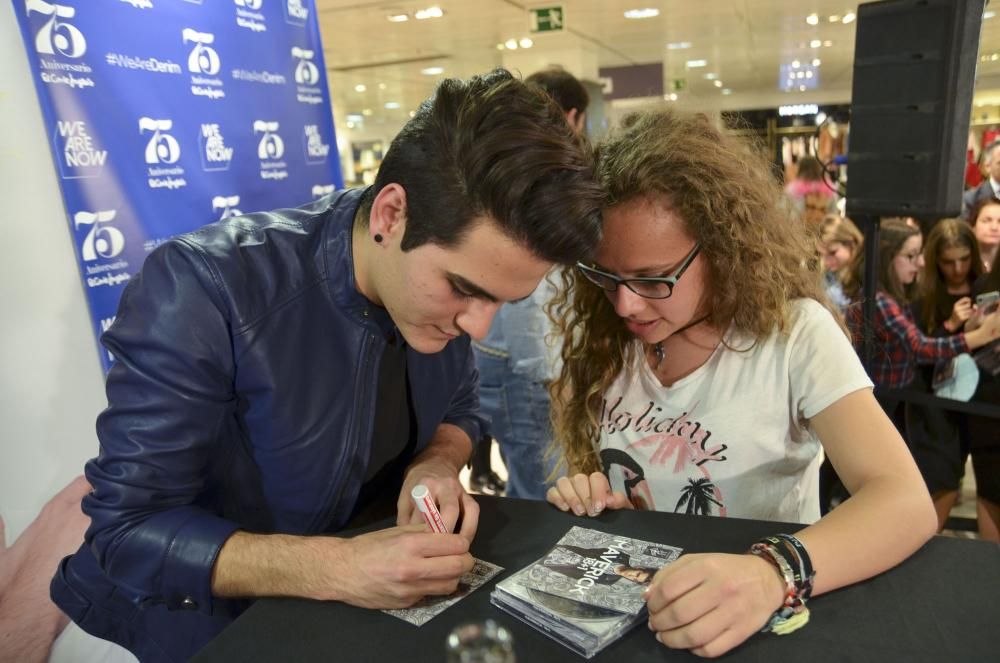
(658, 347)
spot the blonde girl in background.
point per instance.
(839, 241)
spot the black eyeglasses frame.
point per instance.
(592, 273)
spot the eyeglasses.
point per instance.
(650, 287)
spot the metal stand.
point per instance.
(870, 227)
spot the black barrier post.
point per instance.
(870, 226)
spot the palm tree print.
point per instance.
(698, 497)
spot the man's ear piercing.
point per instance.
(378, 238)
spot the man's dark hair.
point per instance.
(497, 147)
(563, 87)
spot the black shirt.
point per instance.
(944, 305)
(394, 433)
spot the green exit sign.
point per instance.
(547, 19)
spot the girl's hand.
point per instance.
(960, 312)
(710, 603)
(586, 495)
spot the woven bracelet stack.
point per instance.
(787, 554)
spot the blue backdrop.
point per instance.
(165, 115)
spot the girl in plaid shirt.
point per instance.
(900, 343)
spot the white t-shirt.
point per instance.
(733, 437)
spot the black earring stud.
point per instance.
(378, 238)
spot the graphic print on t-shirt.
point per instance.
(673, 450)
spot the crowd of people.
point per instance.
(926, 317)
(642, 324)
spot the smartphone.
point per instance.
(987, 302)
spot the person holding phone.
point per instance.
(984, 430)
(940, 439)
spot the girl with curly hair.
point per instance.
(700, 342)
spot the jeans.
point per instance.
(516, 405)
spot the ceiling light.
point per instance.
(828, 43)
(430, 12)
(500, 47)
(354, 117)
(678, 45)
(718, 83)
(381, 86)
(809, 74)
(820, 118)
(815, 43)
(802, 88)
(988, 15)
(511, 44)
(711, 76)
(726, 91)
(648, 12)
(849, 18)
(834, 18)
(694, 64)
(413, 113)
(526, 43)
(391, 105)
(398, 18)
(817, 62)
(812, 19)
(432, 71)
(790, 110)
(795, 64)
(673, 96)
(367, 112)
(360, 87)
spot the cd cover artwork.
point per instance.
(431, 606)
(600, 569)
(586, 592)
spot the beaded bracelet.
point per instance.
(798, 558)
(787, 554)
(800, 551)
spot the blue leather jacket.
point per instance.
(242, 397)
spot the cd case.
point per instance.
(586, 592)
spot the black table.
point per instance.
(941, 605)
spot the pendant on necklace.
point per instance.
(658, 351)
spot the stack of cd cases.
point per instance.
(586, 592)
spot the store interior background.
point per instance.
(710, 57)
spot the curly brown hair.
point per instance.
(733, 207)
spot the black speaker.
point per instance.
(914, 69)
